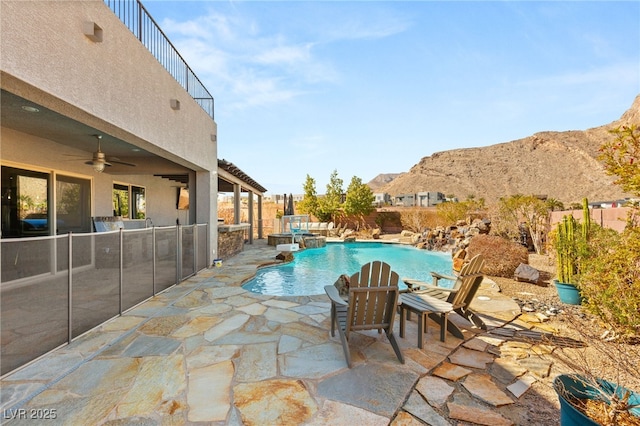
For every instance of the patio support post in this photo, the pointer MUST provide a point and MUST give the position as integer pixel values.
(250, 207)
(260, 236)
(236, 204)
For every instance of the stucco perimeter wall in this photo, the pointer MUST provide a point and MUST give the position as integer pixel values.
(614, 218)
(115, 85)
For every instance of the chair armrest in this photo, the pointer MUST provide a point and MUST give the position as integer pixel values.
(443, 277)
(333, 294)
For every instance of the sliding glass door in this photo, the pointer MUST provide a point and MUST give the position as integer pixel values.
(26, 199)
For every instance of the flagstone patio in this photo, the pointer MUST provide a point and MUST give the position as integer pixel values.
(208, 351)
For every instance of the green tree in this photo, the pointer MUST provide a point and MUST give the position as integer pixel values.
(621, 157)
(553, 204)
(528, 210)
(309, 204)
(330, 203)
(359, 199)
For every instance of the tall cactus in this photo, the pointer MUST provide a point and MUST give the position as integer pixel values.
(586, 219)
(570, 246)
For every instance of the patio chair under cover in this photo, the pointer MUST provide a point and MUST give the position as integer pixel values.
(372, 304)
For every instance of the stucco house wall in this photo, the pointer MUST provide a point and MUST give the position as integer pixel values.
(115, 86)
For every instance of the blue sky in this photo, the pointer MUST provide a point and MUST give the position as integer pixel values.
(371, 87)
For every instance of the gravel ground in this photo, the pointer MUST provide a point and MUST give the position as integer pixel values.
(601, 357)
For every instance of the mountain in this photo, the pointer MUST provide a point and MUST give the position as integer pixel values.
(381, 180)
(560, 165)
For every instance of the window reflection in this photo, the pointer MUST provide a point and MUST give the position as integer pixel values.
(25, 203)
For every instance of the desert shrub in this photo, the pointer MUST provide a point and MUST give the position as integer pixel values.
(610, 280)
(501, 256)
(452, 212)
(417, 219)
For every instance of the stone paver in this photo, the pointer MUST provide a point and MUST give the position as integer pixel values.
(419, 408)
(436, 391)
(522, 385)
(482, 387)
(465, 409)
(451, 371)
(207, 351)
(470, 358)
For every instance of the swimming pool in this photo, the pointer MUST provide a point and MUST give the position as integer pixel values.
(312, 269)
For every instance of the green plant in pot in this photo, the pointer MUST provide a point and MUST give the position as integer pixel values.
(571, 246)
(605, 386)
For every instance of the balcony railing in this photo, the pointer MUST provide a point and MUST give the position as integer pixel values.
(54, 289)
(133, 14)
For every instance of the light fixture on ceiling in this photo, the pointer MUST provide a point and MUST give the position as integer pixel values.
(98, 166)
(99, 160)
(29, 108)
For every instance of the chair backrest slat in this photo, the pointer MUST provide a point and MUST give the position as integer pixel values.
(468, 281)
(373, 297)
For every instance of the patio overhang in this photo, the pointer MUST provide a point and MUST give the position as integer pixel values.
(232, 179)
(76, 129)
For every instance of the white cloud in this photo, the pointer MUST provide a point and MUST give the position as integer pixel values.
(621, 73)
(250, 66)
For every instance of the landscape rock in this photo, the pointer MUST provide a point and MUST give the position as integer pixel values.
(285, 256)
(526, 273)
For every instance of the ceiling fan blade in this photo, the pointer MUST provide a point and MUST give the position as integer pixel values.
(93, 162)
(124, 163)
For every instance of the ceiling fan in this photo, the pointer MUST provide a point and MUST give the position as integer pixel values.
(100, 160)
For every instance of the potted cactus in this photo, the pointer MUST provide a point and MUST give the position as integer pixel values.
(571, 244)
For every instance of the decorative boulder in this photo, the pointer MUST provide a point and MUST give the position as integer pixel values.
(527, 273)
(285, 256)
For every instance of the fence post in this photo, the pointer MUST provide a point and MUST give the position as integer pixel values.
(153, 255)
(178, 253)
(70, 286)
(121, 267)
(195, 248)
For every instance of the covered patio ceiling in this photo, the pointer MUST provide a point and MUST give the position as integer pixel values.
(33, 118)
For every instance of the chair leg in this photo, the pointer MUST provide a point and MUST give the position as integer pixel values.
(471, 316)
(443, 328)
(345, 346)
(333, 320)
(451, 327)
(394, 345)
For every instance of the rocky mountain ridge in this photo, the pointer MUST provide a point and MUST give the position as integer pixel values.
(560, 165)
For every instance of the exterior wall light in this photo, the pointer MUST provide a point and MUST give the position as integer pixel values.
(92, 31)
(175, 104)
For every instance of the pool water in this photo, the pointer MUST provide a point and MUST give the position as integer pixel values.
(312, 269)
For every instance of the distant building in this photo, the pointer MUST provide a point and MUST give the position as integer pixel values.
(429, 199)
(420, 199)
(381, 199)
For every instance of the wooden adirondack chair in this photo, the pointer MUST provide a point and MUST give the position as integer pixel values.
(465, 287)
(372, 305)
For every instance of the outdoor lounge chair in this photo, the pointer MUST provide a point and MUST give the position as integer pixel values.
(372, 305)
(465, 287)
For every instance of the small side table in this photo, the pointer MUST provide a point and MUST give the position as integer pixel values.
(422, 305)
